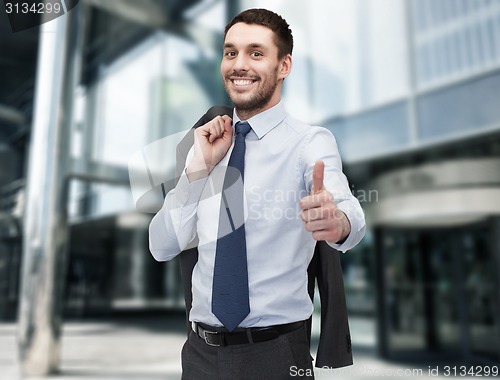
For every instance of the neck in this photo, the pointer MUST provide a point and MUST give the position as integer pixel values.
(245, 114)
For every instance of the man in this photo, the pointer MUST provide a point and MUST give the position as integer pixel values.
(265, 223)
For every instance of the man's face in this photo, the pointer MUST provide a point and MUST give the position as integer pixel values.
(250, 68)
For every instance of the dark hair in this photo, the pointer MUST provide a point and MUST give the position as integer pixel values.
(271, 20)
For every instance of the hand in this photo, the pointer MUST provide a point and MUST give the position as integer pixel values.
(320, 213)
(211, 143)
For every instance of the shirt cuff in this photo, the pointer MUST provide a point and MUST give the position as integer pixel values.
(356, 220)
(186, 192)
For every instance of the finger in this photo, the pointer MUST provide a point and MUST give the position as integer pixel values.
(315, 200)
(318, 213)
(216, 128)
(325, 235)
(227, 120)
(318, 175)
(316, 225)
(212, 133)
(311, 214)
(220, 126)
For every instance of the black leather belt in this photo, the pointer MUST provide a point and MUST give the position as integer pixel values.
(214, 337)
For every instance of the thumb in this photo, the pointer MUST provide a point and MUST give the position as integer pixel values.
(318, 175)
(227, 120)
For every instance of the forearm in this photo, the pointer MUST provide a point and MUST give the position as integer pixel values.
(174, 226)
(197, 170)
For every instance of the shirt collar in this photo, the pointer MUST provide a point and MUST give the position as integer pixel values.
(265, 121)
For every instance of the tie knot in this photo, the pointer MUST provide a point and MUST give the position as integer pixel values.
(242, 127)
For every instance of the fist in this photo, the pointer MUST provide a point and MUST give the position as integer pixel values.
(211, 143)
(320, 214)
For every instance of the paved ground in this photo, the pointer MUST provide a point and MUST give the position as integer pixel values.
(148, 348)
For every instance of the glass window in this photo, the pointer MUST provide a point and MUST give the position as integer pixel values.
(464, 52)
(421, 63)
(348, 55)
(417, 16)
(473, 48)
(456, 58)
(158, 89)
(447, 56)
(494, 40)
(433, 60)
(487, 44)
(440, 58)
(373, 132)
(189, 86)
(468, 107)
(125, 103)
(481, 48)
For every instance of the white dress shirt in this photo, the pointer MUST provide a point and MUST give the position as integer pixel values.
(279, 161)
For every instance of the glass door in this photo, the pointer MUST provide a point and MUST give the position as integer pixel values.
(441, 291)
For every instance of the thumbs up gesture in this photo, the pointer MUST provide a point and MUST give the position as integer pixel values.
(320, 213)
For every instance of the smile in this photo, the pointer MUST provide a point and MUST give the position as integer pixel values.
(242, 82)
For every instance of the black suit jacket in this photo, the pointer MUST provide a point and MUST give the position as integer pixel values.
(334, 349)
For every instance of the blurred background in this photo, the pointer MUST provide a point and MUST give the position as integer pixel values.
(410, 89)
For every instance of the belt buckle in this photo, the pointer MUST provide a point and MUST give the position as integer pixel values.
(206, 334)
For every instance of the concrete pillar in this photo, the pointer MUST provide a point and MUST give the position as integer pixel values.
(45, 220)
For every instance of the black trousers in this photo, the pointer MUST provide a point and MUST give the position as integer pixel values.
(286, 357)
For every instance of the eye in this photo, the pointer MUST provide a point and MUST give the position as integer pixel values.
(256, 54)
(230, 54)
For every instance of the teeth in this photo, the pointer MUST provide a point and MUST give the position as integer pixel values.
(242, 82)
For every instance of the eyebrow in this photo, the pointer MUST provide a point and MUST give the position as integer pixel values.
(252, 45)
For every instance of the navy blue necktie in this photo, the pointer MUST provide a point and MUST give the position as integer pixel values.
(230, 300)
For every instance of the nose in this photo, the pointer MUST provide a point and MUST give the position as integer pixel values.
(241, 63)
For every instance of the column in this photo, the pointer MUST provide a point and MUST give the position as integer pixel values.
(45, 221)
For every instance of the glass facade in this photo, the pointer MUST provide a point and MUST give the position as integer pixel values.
(373, 132)
(465, 108)
(337, 70)
(157, 89)
(161, 86)
(455, 38)
(448, 85)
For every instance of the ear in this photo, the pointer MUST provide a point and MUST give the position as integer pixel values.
(285, 66)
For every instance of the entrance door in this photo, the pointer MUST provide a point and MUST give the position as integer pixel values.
(440, 292)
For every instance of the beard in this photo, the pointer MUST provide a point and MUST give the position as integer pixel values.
(256, 100)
